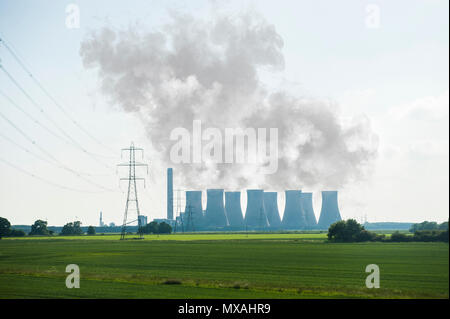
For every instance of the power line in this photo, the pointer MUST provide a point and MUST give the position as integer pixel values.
(48, 154)
(46, 92)
(50, 119)
(33, 119)
(45, 180)
(26, 150)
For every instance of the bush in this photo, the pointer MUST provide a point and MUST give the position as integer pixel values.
(91, 230)
(431, 235)
(155, 228)
(399, 237)
(16, 233)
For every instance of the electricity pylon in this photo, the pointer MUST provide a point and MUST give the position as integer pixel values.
(132, 196)
(190, 219)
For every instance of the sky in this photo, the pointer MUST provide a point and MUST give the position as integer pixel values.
(376, 67)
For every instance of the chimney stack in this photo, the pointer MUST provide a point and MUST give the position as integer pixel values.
(170, 193)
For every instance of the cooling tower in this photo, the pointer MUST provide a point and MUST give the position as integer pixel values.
(169, 193)
(271, 207)
(233, 209)
(193, 214)
(294, 217)
(306, 201)
(215, 215)
(329, 213)
(255, 215)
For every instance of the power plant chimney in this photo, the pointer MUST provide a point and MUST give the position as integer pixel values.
(329, 213)
(294, 217)
(255, 215)
(170, 193)
(215, 215)
(271, 207)
(193, 213)
(233, 209)
(306, 201)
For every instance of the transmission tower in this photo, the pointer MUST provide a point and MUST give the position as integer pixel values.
(132, 197)
(178, 210)
(190, 219)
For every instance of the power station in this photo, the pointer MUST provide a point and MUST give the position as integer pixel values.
(224, 210)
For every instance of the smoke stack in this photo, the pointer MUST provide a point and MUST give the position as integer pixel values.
(255, 215)
(271, 207)
(306, 201)
(193, 213)
(233, 209)
(294, 216)
(169, 193)
(329, 213)
(215, 215)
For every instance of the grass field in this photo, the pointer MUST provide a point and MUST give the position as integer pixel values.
(220, 266)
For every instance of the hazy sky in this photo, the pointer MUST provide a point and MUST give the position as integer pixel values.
(392, 76)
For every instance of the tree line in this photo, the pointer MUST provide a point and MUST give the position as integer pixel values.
(155, 228)
(39, 228)
(351, 231)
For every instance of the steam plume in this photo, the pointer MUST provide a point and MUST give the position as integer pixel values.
(193, 69)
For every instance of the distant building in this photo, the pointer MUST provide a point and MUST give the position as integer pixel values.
(112, 224)
(142, 220)
(101, 224)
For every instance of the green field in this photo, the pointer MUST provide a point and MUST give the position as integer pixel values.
(220, 266)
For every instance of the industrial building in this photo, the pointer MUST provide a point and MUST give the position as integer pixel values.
(234, 210)
(142, 220)
(215, 215)
(223, 210)
(294, 215)
(271, 207)
(329, 213)
(307, 205)
(255, 214)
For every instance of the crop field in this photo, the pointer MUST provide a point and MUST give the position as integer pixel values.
(220, 266)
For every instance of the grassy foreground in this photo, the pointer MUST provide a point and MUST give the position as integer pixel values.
(220, 266)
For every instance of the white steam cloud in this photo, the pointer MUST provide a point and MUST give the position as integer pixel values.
(208, 70)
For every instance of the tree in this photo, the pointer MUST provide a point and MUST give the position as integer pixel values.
(91, 230)
(5, 227)
(443, 226)
(426, 225)
(164, 228)
(72, 229)
(150, 228)
(39, 228)
(77, 228)
(350, 231)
